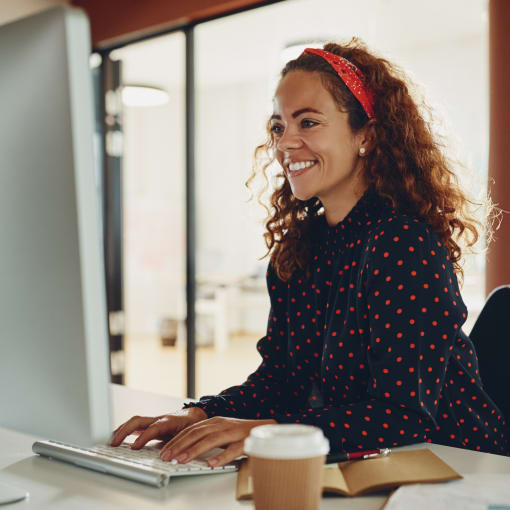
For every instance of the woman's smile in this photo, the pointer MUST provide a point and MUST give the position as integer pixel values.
(296, 169)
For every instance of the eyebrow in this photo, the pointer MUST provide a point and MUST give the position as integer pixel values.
(297, 113)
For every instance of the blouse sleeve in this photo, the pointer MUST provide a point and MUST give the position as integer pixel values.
(414, 312)
(265, 392)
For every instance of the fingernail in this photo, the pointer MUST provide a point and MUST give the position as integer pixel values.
(213, 462)
(182, 457)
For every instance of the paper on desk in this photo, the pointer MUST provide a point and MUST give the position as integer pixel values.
(473, 492)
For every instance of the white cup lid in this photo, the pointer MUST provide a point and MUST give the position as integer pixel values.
(286, 441)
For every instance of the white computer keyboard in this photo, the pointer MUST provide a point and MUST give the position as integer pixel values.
(149, 456)
(142, 465)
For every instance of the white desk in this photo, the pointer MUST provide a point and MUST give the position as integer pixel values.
(55, 485)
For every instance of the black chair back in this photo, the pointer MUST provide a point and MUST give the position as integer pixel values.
(491, 338)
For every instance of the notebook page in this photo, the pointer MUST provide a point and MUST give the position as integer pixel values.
(473, 492)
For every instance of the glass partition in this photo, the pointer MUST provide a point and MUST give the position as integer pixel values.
(442, 45)
(238, 61)
(154, 238)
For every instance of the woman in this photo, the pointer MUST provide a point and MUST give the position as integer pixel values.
(364, 337)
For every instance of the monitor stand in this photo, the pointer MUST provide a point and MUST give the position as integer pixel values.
(11, 493)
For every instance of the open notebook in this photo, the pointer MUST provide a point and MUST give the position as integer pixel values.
(358, 477)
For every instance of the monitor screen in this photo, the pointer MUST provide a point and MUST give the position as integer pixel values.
(54, 369)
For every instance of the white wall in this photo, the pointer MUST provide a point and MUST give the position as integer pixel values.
(154, 233)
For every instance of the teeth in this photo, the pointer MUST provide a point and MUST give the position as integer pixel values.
(300, 165)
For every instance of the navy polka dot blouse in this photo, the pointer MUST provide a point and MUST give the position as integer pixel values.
(370, 348)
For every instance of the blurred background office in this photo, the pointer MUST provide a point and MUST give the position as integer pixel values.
(156, 136)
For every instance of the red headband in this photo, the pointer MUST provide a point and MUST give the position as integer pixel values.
(351, 76)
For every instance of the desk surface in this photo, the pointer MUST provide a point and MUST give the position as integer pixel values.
(58, 485)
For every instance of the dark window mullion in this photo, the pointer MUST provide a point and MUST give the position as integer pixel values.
(190, 214)
(112, 211)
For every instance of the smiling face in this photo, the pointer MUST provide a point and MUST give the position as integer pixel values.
(315, 145)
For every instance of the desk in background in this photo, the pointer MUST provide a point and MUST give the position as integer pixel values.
(55, 485)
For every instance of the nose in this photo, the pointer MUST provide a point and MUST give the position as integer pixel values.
(288, 140)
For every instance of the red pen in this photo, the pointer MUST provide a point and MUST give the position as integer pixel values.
(367, 454)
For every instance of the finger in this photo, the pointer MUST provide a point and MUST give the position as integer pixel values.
(123, 425)
(218, 426)
(179, 432)
(157, 430)
(186, 438)
(180, 435)
(133, 432)
(233, 451)
(198, 448)
(135, 423)
(180, 441)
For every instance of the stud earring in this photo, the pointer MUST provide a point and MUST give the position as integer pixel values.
(362, 151)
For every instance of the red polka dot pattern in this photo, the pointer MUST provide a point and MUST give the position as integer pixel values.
(377, 331)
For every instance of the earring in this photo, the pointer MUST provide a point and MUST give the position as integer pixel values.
(362, 151)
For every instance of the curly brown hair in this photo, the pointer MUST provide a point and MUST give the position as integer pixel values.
(408, 164)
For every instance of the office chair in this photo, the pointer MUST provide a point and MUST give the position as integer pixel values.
(491, 338)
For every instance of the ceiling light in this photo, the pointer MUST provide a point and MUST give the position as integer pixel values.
(143, 95)
(95, 60)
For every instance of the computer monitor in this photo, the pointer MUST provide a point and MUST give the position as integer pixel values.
(54, 370)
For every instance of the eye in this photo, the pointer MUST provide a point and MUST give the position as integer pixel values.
(307, 123)
(276, 129)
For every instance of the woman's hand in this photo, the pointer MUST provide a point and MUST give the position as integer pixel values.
(207, 434)
(159, 427)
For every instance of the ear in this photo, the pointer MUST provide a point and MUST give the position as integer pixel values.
(367, 138)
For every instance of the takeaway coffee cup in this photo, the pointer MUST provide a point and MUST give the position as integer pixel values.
(286, 466)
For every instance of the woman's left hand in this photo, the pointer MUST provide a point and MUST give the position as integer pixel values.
(211, 433)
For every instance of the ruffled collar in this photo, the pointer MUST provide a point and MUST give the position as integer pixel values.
(369, 208)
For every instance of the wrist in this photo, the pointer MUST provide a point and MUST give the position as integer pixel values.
(196, 413)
